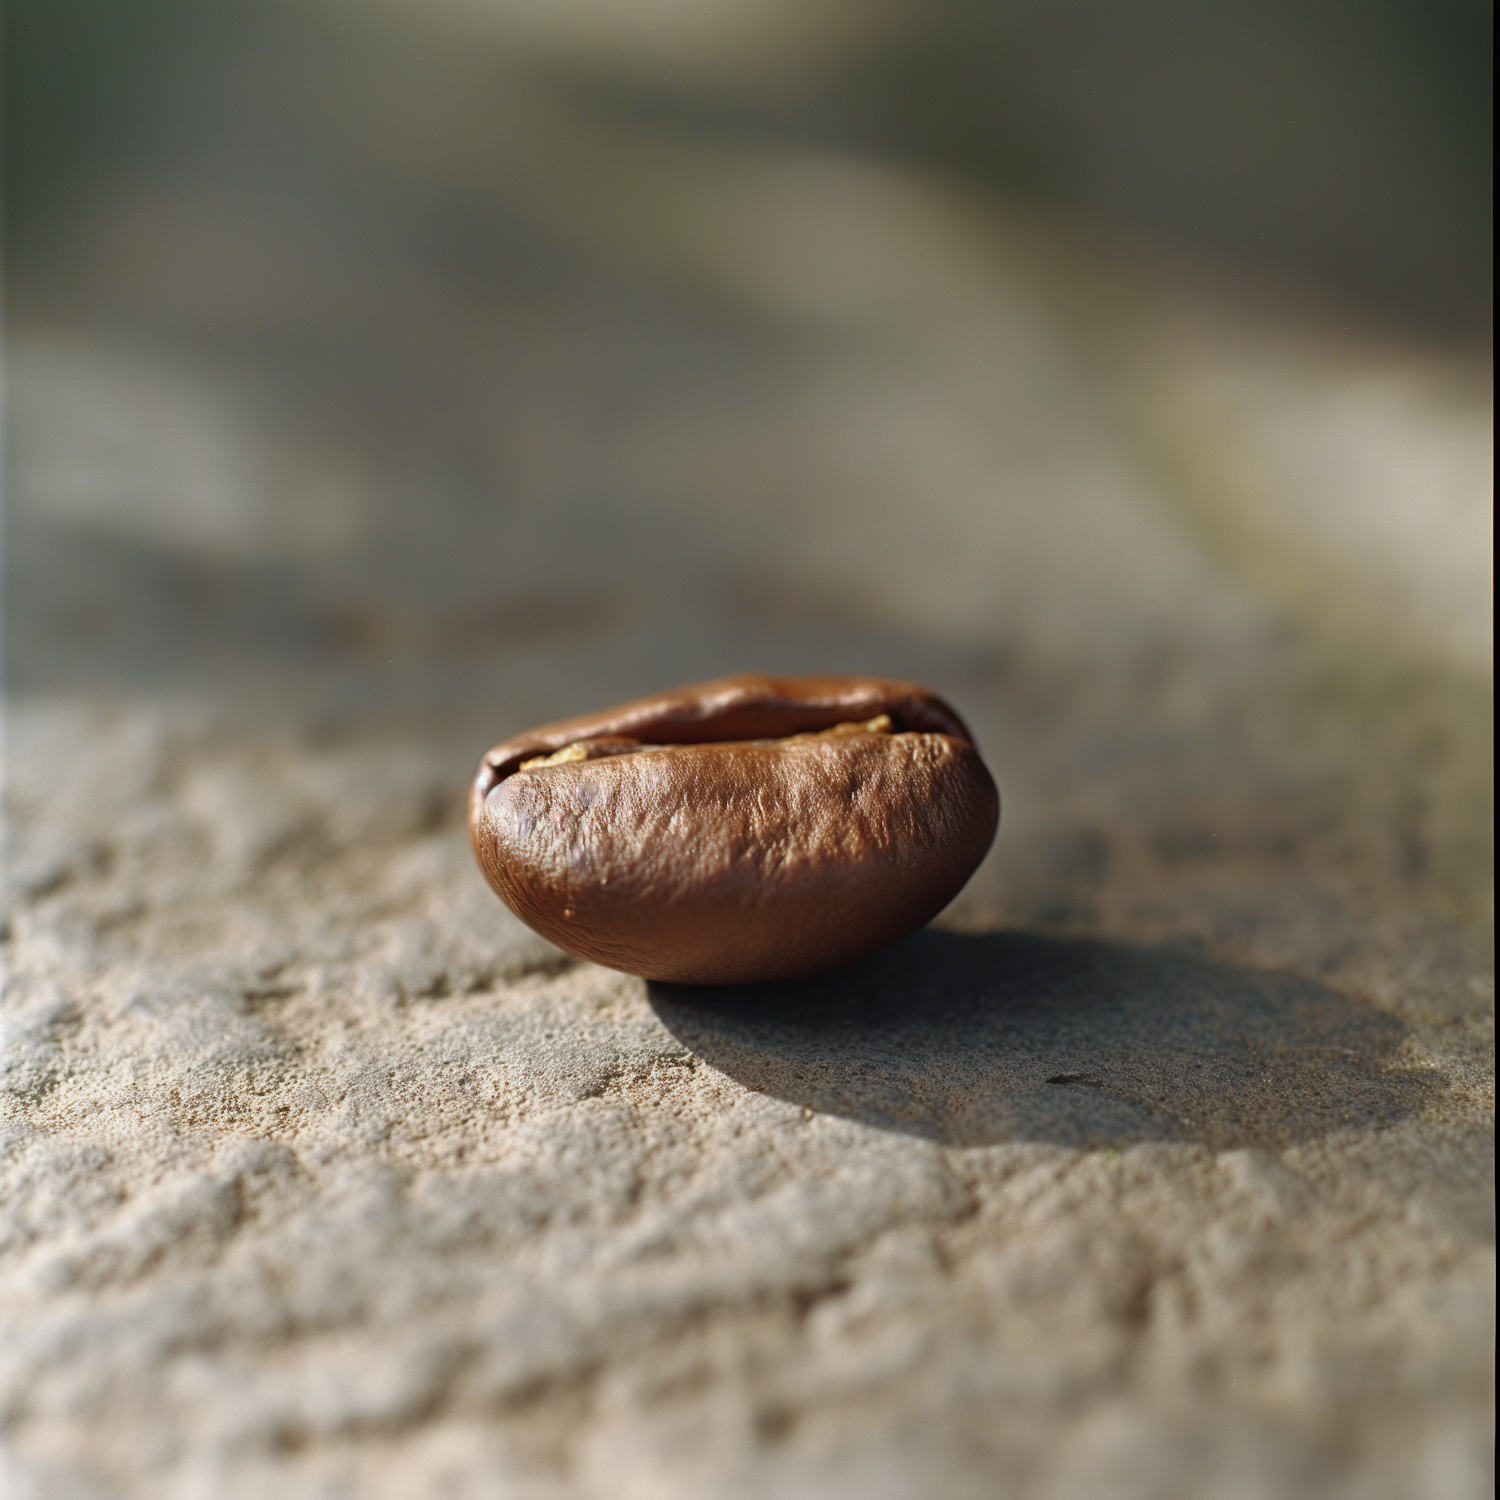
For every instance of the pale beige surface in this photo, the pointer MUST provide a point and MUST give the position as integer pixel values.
(1164, 1170)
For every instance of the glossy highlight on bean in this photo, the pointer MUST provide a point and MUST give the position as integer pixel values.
(747, 829)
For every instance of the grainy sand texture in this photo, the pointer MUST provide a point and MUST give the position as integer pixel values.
(1162, 1166)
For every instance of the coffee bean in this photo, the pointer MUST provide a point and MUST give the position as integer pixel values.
(747, 829)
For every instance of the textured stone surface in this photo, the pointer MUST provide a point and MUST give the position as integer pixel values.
(1162, 1168)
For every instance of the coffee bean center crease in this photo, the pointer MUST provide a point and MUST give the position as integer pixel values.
(736, 831)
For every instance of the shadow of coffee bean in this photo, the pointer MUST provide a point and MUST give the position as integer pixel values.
(978, 1039)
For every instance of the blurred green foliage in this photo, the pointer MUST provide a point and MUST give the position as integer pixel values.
(1346, 144)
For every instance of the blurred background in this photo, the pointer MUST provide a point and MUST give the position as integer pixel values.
(1120, 369)
(383, 379)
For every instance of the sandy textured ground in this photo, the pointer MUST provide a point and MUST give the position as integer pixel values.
(1163, 1167)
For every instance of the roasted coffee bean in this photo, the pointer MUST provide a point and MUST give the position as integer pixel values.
(747, 829)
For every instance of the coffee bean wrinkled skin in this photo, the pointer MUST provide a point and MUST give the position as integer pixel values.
(748, 829)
